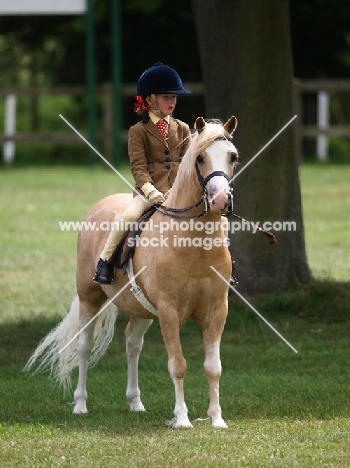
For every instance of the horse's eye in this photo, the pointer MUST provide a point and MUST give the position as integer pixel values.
(233, 158)
(200, 159)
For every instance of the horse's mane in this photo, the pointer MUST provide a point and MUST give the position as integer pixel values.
(213, 129)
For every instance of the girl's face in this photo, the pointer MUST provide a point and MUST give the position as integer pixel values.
(166, 103)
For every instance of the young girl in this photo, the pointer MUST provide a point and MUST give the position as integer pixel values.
(156, 146)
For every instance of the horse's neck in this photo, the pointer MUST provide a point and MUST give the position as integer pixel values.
(187, 195)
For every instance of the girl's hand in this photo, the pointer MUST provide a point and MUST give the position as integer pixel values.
(156, 197)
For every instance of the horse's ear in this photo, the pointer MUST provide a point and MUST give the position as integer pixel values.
(231, 124)
(199, 124)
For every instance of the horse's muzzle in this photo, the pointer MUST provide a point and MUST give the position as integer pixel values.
(219, 201)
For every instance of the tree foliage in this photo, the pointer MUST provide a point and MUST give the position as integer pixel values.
(53, 47)
(320, 32)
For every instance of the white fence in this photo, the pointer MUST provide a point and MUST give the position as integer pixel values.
(321, 129)
(325, 90)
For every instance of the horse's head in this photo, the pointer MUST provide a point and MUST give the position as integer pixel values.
(216, 161)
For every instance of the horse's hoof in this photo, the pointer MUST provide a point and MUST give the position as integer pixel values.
(219, 423)
(80, 409)
(137, 406)
(178, 423)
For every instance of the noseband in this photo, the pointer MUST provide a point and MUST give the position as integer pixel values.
(203, 184)
(173, 212)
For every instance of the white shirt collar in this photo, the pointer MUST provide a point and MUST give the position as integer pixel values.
(156, 119)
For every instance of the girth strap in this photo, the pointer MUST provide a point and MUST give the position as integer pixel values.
(137, 291)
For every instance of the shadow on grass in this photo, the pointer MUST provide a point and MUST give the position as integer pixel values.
(319, 300)
(261, 378)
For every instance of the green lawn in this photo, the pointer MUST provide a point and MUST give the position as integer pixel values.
(283, 409)
(326, 208)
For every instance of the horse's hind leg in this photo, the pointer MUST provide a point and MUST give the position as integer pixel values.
(134, 333)
(212, 366)
(85, 345)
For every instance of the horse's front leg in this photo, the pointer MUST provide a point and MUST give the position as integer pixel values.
(177, 367)
(134, 333)
(212, 366)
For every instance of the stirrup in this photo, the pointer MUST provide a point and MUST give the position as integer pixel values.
(104, 273)
(233, 279)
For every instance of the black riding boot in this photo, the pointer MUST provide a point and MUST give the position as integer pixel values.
(104, 273)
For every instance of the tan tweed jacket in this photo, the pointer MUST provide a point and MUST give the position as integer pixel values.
(153, 159)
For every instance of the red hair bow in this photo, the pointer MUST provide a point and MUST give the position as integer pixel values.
(140, 105)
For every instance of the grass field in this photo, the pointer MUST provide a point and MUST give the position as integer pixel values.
(283, 409)
(326, 207)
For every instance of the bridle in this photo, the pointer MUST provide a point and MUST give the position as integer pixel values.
(175, 212)
(179, 212)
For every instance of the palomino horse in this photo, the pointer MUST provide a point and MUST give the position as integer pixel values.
(178, 282)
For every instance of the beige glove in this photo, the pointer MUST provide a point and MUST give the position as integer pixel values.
(156, 197)
(153, 195)
(147, 188)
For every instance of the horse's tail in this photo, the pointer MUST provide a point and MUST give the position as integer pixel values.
(58, 353)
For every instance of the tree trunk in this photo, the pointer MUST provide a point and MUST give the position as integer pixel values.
(246, 62)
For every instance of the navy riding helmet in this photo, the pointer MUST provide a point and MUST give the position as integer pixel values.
(160, 79)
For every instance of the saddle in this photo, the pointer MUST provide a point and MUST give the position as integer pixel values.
(126, 249)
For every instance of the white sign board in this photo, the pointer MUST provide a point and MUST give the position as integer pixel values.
(42, 7)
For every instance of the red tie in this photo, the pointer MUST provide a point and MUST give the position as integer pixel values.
(162, 127)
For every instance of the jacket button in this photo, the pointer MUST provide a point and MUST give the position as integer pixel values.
(167, 160)
(167, 167)
(166, 152)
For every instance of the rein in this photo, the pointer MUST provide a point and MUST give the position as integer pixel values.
(172, 212)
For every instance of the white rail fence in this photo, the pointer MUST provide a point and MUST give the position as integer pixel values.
(326, 92)
(320, 130)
